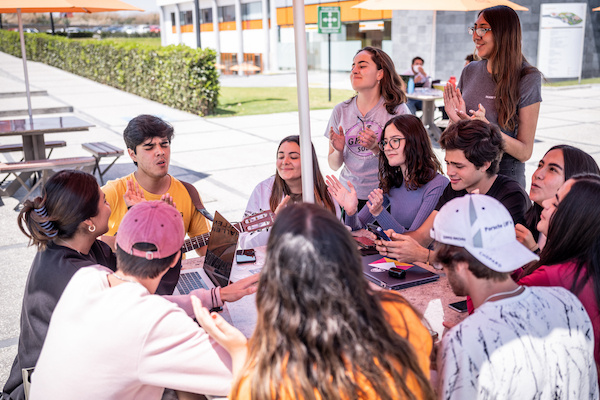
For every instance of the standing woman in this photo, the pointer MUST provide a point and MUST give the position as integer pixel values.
(285, 186)
(410, 180)
(64, 224)
(502, 88)
(355, 126)
(322, 332)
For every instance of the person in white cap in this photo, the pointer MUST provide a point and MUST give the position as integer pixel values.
(521, 342)
(111, 338)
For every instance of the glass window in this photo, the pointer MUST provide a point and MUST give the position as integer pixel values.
(226, 13)
(186, 18)
(206, 15)
(252, 11)
(173, 22)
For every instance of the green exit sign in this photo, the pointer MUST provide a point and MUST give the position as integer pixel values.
(330, 20)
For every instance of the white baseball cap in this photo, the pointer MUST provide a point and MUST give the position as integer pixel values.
(484, 227)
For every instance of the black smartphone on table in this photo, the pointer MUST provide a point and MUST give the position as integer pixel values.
(245, 256)
(460, 306)
(378, 232)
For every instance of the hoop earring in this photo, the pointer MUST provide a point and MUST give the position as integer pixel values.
(92, 228)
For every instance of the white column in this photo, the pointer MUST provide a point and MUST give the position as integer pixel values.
(240, 33)
(265, 28)
(274, 37)
(215, 17)
(163, 26)
(178, 24)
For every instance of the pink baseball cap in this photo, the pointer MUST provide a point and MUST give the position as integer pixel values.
(153, 222)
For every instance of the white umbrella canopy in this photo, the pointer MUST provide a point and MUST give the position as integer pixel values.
(436, 5)
(38, 6)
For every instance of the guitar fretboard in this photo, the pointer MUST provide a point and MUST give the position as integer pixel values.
(202, 240)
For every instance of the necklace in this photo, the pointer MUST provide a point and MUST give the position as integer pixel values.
(124, 279)
(69, 245)
(505, 294)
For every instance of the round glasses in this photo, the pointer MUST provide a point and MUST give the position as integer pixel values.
(393, 142)
(479, 31)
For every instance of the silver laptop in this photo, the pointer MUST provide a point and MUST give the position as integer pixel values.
(218, 262)
(415, 275)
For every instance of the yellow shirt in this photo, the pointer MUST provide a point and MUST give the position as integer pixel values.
(406, 324)
(195, 224)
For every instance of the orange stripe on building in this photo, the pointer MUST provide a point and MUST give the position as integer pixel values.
(285, 16)
(252, 24)
(227, 26)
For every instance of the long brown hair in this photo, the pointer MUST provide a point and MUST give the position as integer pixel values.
(390, 86)
(421, 162)
(507, 65)
(320, 325)
(281, 189)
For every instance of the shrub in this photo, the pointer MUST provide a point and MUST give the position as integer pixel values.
(176, 76)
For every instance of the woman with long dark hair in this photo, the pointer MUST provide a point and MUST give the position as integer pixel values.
(355, 127)
(410, 180)
(284, 187)
(322, 331)
(558, 165)
(64, 224)
(571, 257)
(503, 86)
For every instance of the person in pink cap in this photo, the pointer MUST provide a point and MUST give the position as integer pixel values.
(111, 338)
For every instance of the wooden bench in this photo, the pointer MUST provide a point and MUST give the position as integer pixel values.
(52, 144)
(102, 149)
(46, 167)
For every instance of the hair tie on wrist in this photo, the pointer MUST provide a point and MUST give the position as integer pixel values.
(48, 227)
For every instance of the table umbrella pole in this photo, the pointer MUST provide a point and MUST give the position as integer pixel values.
(24, 57)
(308, 192)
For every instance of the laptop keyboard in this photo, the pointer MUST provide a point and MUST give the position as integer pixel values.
(190, 281)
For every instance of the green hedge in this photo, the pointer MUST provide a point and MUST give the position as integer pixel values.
(176, 76)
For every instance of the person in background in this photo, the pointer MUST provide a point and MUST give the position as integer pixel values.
(410, 180)
(521, 342)
(571, 257)
(355, 127)
(470, 58)
(284, 187)
(502, 88)
(64, 224)
(421, 79)
(111, 338)
(322, 331)
(559, 164)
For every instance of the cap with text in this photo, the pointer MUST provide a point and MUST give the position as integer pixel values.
(485, 228)
(154, 222)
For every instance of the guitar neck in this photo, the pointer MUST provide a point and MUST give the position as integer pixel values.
(202, 240)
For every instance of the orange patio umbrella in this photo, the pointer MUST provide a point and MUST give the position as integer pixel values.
(39, 6)
(436, 5)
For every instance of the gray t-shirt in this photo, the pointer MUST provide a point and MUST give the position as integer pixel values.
(360, 164)
(477, 86)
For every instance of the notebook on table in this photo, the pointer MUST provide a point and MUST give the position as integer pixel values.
(218, 262)
(415, 275)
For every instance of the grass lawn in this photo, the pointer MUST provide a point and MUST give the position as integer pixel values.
(234, 101)
(574, 82)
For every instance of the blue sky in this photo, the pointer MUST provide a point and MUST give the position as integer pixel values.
(148, 5)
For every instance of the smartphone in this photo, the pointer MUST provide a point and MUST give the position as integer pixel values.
(397, 273)
(378, 232)
(245, 256)
(460, 306)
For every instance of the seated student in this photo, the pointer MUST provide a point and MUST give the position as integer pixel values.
(64, 223)
(421, 79)
(571, 256)
(559, 164)
(322, 331)
(473, 151)
(285, 186)
(410, 180)
(521, 342)
(110, 338)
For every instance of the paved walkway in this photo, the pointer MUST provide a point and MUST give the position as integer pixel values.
(223, 157)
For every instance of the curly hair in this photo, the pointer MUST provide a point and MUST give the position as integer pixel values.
(319, 324)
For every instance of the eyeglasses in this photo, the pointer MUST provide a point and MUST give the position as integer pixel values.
(394, 143)
(479, 31)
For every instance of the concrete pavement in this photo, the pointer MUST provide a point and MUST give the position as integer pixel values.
(223, 157)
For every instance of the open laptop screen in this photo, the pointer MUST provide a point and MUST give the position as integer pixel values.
(220, 251)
